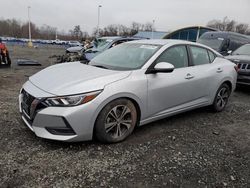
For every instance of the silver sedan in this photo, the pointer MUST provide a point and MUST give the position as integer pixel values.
(129, 85)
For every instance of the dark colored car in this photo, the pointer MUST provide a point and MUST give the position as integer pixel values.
(104, 43)
(241, 57)
(223, 42)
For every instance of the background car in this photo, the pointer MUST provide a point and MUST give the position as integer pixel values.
(104, 43)
(72, 54)
(74, 43)
(79, 53)
(129, 85)
(223, 42)
(241, 57)
(59, 42)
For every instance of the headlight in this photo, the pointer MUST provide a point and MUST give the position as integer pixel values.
(73, 100)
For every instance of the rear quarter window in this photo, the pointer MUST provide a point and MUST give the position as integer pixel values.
(211, 56)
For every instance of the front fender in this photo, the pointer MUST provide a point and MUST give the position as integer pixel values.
(114, 97)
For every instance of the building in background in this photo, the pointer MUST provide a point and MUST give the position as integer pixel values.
(188, 33)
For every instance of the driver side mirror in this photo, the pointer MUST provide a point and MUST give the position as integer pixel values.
(162, 67)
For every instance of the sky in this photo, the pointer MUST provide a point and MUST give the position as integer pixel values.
(168, 14)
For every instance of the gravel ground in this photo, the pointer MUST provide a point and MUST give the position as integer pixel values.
(194, 149)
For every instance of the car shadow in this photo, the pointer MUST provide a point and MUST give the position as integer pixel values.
(243, 89)
(174, 122)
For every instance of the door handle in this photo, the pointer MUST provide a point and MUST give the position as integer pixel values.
(219, 70)
(189, 76)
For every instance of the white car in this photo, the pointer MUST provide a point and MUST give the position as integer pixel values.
(129, 85)
(59, 42)
(74, 43)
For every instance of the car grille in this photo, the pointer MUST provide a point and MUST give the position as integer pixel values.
(26, 102)
(30, 110)
(244, 66)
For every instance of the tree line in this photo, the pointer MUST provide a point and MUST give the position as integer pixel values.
(229, 25)
(19, 29)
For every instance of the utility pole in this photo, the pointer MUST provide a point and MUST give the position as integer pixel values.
(98, 21)
(30, 42)
(152, 33)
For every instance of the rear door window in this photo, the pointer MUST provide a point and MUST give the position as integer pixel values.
(199, 56)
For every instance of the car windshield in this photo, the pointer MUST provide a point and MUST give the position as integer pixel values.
(243, 50)
(101, 44)
(127, 56)
(212, 43)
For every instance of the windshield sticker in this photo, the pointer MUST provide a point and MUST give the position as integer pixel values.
(150, 47)
(220, 39)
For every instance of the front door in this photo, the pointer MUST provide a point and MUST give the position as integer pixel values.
(169, 90)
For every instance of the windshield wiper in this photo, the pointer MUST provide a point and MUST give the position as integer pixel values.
(100, 66)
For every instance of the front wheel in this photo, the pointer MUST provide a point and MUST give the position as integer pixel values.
(221, 98)
(116, 121)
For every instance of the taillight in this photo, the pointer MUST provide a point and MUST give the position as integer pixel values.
(236, 67)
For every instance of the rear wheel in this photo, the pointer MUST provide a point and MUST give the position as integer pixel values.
(221, 98)
(116, 121)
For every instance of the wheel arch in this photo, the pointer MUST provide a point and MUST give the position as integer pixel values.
(229, 83)
(220, 107)
(138, 109)
(225, 81)
(134, 99)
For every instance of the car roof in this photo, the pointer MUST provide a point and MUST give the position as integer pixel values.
(111, 38)
(224, 34)
(119, 38)
(163, 42)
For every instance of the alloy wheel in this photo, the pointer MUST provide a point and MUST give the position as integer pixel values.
(222, 98)
(118, 121)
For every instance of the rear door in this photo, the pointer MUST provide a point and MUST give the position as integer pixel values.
(203, 71)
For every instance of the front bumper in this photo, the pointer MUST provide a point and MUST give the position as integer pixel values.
(243, 73)
(243, 79)
(69, 124)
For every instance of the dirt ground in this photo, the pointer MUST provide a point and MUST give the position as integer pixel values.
(194, 149)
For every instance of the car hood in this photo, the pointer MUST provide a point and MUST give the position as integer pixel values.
(74, 49)
(239, 58)
(75, 78)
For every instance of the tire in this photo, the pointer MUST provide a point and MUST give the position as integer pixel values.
(116, 121)
(221, 98)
